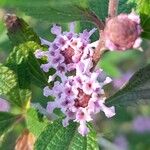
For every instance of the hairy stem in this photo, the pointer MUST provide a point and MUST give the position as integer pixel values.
(113, 8)
(99, 23)
(100, 49)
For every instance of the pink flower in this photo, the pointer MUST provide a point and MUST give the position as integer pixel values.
(123, 32)
(47, 91)
(46, 67)
(82, 115)
(109, 112)
(56, 30)
(83, 129)
(45, 42)
(78, 93)
(39, 53)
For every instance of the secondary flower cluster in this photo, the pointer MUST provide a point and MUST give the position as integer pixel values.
(78, 92)
(123, 32)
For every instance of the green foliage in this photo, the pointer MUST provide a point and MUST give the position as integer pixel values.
(7, 79)
(142, 139)
(55, 137)
(53, 11)
(64, 10)
(143, 7)
(22, 59)
(100, 7)
(145, 21)
(27, 67)
(19, 31)
(35, 122)
(23, 69)
(110, 62)
(10, 87)
(126, 6)
(137, 89)
(7, 120)
(22, 63)
(9, 138)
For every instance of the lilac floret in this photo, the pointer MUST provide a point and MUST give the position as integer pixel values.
(4, 105)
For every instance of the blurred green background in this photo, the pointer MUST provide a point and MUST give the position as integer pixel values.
(118, 133)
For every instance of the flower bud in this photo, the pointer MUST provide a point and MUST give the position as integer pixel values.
(122, 32)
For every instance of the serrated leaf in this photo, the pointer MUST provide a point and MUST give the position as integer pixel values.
(138, 88)
(27, 67)
(55, 137)
(20, 97)
(8, 79)
(35, 122)
(19, 31)
(7, 120)
(9, 87)
(143, 7)
(22, 59)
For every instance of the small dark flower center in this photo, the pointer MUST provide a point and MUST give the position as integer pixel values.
(83, 99)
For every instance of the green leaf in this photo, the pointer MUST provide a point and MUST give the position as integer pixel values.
(8, 80)
(9, 86)
(27, 67)
(19, 31)
(55, 137)
(112, 60)
(143, 7)
(100, 7)
(126, 6)
(7, 120)
(52, 11)
(138, 88)
(9, 138)
(145, 22)
(35, 122)
(22, 59)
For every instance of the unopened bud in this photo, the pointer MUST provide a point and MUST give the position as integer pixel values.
(123, 32)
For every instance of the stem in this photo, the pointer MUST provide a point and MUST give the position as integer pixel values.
(92, 17)
(113, 8)
(99, 50)
(99, 23)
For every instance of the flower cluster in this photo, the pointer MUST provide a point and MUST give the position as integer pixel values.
(123, 32)
(79, 91)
